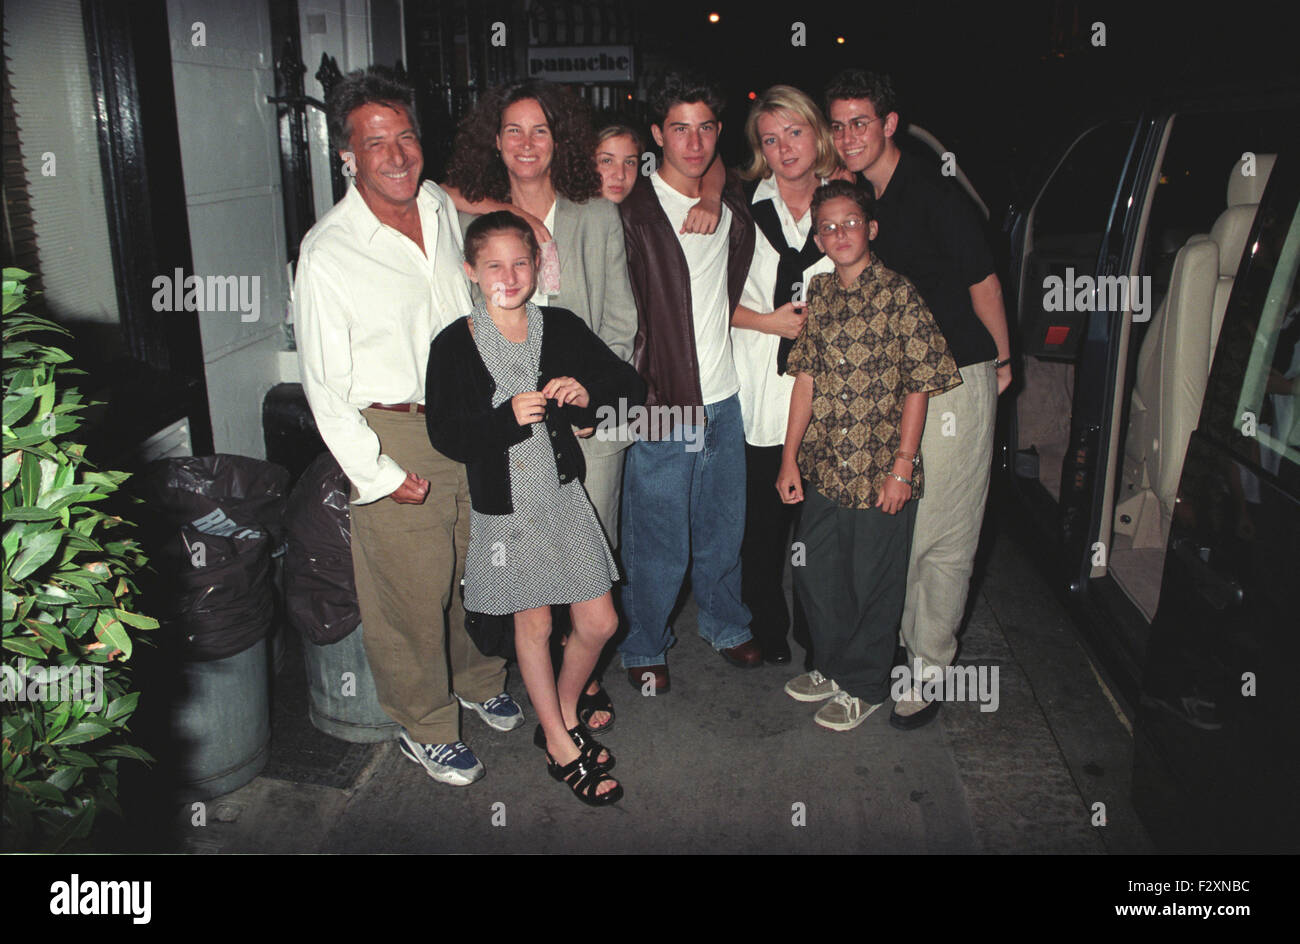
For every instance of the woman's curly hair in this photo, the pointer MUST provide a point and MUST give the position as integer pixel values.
(476, 168)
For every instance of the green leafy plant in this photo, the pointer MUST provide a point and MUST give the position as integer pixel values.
(67, 602)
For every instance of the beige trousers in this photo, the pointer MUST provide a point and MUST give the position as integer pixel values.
(604, 484)
(957, 452)
(409, 560)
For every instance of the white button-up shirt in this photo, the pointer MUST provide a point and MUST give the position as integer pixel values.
(367, 305)
(765, 396)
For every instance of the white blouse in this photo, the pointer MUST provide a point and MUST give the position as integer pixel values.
(765, 396)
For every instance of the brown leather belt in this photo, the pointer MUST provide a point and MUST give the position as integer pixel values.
(399, 407)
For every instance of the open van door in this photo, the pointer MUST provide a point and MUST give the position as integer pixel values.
(1217, 735)
(1073, 230)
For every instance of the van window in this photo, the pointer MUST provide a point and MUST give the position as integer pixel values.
(1215, 169)
(1202, 149)
(1267, 408)
(1074, 210)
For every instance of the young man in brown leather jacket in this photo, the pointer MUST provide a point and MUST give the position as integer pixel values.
(683, 491)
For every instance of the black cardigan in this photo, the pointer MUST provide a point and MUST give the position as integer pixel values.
(465, 427)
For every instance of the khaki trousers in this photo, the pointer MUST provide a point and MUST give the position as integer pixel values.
(604, 484)
(409, 560)
(957, 452)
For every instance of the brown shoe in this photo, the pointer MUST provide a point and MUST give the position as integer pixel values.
(747, 655)
(636, 676)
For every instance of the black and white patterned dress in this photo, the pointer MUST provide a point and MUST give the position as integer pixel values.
(551, 549)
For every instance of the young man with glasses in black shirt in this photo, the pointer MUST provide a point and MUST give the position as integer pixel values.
(930, 233)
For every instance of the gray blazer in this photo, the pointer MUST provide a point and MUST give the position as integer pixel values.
(594, 282)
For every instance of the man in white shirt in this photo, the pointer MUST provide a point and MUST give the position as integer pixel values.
(683, 486)
(379, 276)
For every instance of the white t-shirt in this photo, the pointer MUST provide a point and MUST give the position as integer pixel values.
(540, 298)
(706, 259)
(764, 394)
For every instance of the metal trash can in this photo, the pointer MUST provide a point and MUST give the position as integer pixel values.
(343, 700)
(321, 602)
(221, 723)
(212, 522)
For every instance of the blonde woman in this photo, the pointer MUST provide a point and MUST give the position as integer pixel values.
(791, 155)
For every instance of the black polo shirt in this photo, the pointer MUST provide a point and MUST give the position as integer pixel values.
(930, 233)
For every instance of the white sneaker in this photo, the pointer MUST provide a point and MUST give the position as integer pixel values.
(499, 711)
(843, 712)
(811, 686)
(454, 763)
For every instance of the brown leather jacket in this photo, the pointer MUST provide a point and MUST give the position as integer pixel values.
(664, 351)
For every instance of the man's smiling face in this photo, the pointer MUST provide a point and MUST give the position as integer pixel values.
(860, 133)
(388, 154)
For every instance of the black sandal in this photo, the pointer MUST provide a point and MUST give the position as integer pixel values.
(588, 705)
(587, 746)
(584, 779)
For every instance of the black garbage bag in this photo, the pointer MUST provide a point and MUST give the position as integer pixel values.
(493, 635)
(319, 588)
(214, 522)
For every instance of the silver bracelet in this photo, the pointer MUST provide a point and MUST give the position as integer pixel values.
(897, 477)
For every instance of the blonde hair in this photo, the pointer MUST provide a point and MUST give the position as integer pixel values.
(787, 98)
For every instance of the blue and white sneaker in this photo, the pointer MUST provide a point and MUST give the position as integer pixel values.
(500, 711)
(447, 763)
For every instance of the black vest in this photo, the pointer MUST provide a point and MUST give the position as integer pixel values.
(790, 267)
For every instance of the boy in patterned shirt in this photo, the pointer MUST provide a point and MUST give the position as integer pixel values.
(865, 365)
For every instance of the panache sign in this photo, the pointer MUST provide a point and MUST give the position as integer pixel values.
(581, 63)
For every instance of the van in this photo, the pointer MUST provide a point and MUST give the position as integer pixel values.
(1151, 447)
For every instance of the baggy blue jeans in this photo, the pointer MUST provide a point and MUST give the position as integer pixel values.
(681, 509)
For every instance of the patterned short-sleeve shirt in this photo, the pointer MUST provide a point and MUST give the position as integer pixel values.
(867, 347)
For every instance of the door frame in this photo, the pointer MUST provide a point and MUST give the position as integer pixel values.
(128, 49)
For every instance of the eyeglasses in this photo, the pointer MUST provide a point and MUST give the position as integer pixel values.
(859, 125)
(851, 225)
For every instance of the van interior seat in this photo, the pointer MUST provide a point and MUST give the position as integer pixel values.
(1174, 363)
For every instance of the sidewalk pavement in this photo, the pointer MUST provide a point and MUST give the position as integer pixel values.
(726, 762)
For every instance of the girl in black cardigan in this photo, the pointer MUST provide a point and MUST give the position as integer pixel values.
(506, 386)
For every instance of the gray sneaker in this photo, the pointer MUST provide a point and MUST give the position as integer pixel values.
(447, 763)
(499, 711)
(843, 712)
(811, 686)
